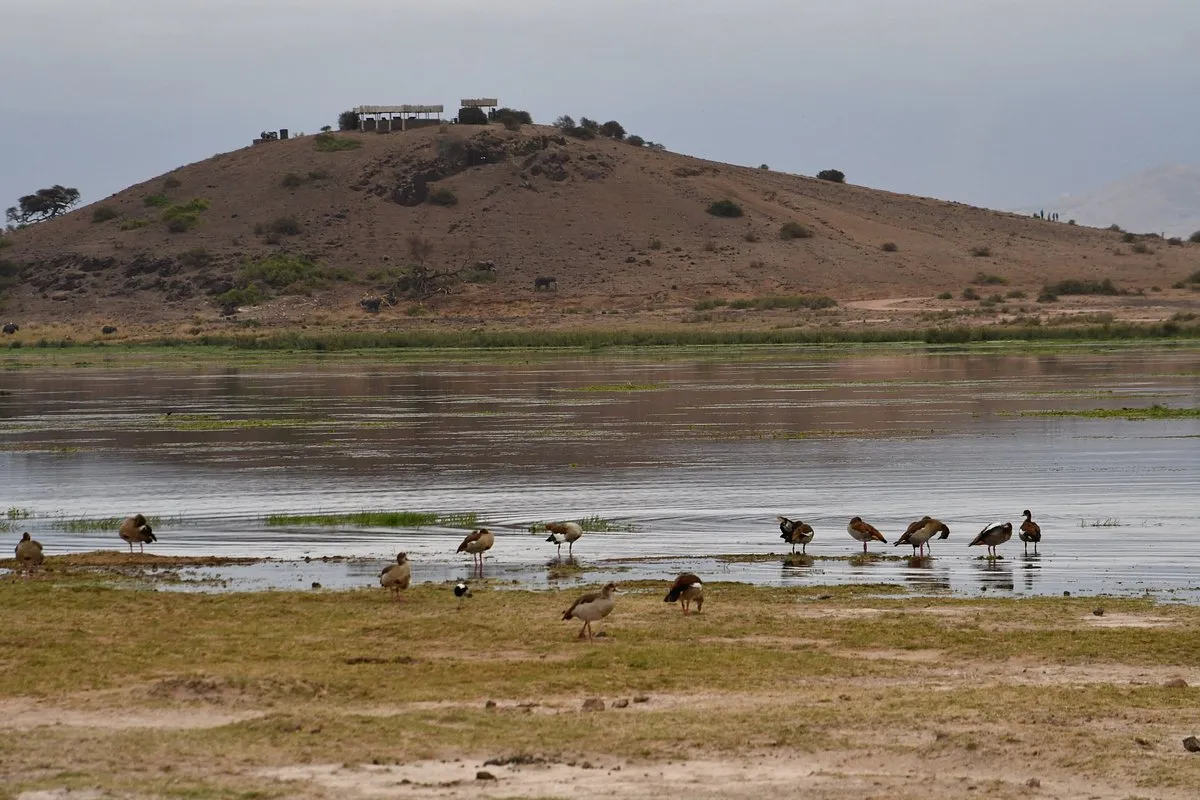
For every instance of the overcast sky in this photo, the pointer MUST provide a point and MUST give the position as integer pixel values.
(999, 103)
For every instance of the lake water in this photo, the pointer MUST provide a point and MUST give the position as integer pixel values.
(691, 457)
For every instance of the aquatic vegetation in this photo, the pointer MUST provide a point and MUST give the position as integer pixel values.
(377, 519)
(92, 524)
(592, 524)
(1155, 411)
(211, 422)
(18, 513)
(1110, 522)
(619, 387)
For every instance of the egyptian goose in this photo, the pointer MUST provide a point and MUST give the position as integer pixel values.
(136, 529)
(28, 554)
(795, 532)
(461, 591)
(592, 607)
(921, 531)
(1030, 532)
(397, 576)
(864, 532)
(568, 532)
(687, 587)
(477, 543)
(993, 536)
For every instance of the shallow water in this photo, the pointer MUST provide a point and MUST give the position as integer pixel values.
(697, 456)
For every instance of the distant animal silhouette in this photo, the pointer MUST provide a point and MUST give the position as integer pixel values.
(11, 328)
(545, 282)
(107, 329)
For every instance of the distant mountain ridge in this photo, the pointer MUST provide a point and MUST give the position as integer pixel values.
(1163, 199)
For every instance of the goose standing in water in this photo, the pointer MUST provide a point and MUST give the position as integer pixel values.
(921, 531)
(477, 543)
(864, 532)
(795, 532)
(1030, 532)
(561, 532)
(29, 554)
(136, 529)
(591, 608)
(687, 587)
(397, 576)
(993, 536)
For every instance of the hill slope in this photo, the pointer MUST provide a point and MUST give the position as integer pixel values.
(621, 228)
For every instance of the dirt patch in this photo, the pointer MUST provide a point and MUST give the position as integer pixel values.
(22, 713)
(1119, 620)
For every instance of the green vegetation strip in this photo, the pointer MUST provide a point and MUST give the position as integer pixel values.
(377, 519)
(85, 525)
(1151, 412)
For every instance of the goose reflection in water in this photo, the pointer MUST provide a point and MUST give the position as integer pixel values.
(995, 575)
(1030, 567)
(921, 575)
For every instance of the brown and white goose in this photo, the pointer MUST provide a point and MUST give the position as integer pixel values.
(1030, 532)
(993, 536)
(687, 587)
(397, 576)
(864, 532)
(795, 532)
(921, 531)
(29, 554)
(136, 529)
(477, 543)
(568, 532)
(592, 607)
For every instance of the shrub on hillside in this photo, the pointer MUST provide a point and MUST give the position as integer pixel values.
(832, 175)
(442, 196)
(1141, 248)
(1128, 238)
(1175, 241)
(1078, 286)
(981, 252)
(180, 224)
(638, 141)
(1195, 238)
(156, 201)
(472, 116)
(984, 279)
(613, 130)
(725, 208)
(970, 294)
(794, 230)
(580, 132)
(888, 247)
(348, 121)
(564, 122)
(132, 224)
(172, 183)
(292, 180)
(332, 143)
(285, 226)
(195, 258)
(104, 214)
(502, 114)
(945, 296)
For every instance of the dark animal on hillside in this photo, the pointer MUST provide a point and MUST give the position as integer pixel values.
(547, 283)
(107, 329)
(11, 328)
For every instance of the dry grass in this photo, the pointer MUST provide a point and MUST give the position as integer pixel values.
(279, 678)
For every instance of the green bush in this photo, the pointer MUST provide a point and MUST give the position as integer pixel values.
(970, 294)
(1015, 294)
(1078, 286)
(104, 214)
(195, 258)
(656, 244)
(156, 201)
(1047, 297)
(832, 175)
(472, 116)
(945, 296)
(180, 218)
(794, 230)
(441, 196)
(285, 226)
(888, 247)
(282, 271)
(240, 296)
(504, 115)
(348, 121)
(332, 143)
(613, 130)
(725, 208)
(292, 180)
(180, 224)
(984, 279)
(481, 276)
(813, 302)
(132, 224)
(635, 140)
(706, 305)
(172, 183)
(981, 252)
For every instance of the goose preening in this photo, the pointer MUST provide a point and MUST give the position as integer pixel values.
(864, 532)
(795, 532)
(477, 543)
(568, 532)
(592, 607)
(136, 529)
(993, 536)
(461, 591)
(397, 576)
(1030, 532)
(921, 531)
(29, 554)
(687, 587)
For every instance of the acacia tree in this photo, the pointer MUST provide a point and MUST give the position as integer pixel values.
(42, 204)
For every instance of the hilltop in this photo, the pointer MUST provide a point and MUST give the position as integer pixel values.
(295, 233)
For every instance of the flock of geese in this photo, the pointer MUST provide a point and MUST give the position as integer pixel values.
(595, 606)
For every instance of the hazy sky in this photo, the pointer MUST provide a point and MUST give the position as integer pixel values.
(993, 102)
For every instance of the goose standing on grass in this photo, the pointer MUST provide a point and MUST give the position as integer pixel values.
(864, 532)
(592, 607)
(477, 543)
(397, 576)
(29, 554)
(461, 591)
(921, 531)
(1030, 532)
(993, 536)
(568, 532)
(795, 532)
(687, 587)
(136, 529)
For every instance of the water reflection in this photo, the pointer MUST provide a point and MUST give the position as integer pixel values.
(1030, 566)
(995, 573)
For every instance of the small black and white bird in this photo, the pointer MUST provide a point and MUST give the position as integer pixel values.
(461, 591)
(795, 532)
(993, 536)
(1030, 532)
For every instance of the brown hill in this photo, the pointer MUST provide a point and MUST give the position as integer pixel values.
(301, 234)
